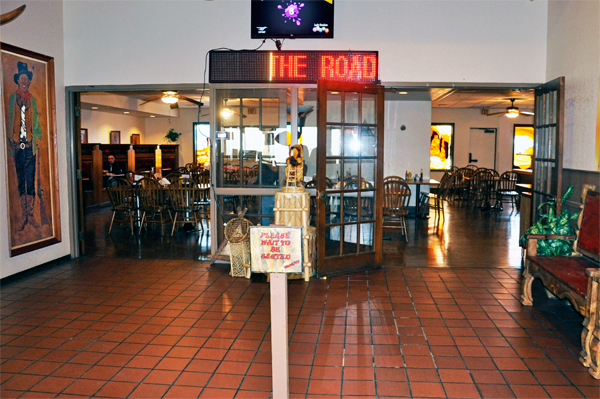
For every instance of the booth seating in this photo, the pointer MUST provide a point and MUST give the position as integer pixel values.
(575, 277)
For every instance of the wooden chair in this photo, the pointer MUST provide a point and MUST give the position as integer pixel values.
(507, 189)
(435, 201)
(186, 198)
(396, 197)
(120, 194)
(481, 189)
(151, 197)
(353, 183)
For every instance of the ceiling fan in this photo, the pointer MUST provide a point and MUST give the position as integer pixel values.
(171, 98)
(511, 112)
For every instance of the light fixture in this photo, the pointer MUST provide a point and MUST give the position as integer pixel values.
(512, 111)
(402, 92)
(169, 97)
(226, 113)
(126, 112)
(152, 116)
(94, 107)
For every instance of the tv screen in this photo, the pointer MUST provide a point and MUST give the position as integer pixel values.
(308, 19)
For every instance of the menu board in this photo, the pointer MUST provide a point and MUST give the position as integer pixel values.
(276, 249)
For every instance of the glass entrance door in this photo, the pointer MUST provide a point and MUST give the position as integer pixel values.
(349, 177)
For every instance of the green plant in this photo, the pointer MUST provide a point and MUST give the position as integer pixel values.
(553, 223)
(172, 135)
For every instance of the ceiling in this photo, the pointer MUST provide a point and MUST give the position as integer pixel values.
(439, 97)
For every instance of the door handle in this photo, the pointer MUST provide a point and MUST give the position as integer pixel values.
(471, 158)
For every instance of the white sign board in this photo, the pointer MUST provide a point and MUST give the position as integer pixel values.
(276, 249)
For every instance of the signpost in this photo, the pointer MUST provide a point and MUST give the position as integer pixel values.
(278, 250)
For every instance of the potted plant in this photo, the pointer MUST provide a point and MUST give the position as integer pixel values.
(553, 223)
(172, 136)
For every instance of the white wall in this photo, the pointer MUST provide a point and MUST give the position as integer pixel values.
(39, 29)
(407, 150)
(100, 124)
(574, 52)
(466, 118)
(157, 128)
(162, 42)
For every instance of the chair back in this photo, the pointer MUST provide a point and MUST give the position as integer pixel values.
(120, 194)
(472, 167)
(446, 185)
(483, 180)
(185, 195)
(353, 183)
(182, 170)
(150, 194)
(396, 196)
(508, 181)
(171, 177)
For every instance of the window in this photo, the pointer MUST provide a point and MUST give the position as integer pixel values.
(522, 146)
(441, 146)
(202, 143)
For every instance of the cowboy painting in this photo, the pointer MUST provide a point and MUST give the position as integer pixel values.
(25, 134)
(32, 184)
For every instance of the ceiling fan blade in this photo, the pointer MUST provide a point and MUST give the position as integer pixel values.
(198, 103)
(148, 99)
(527, 113)
(495, 113)
(238, 114)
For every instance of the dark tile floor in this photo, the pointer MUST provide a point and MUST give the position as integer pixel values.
(147, 328)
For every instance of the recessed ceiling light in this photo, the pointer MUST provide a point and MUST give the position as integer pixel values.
(94, 107)
(152, 116)
(126, 112)
(402, 92)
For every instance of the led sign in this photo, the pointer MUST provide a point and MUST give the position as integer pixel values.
(293, 66)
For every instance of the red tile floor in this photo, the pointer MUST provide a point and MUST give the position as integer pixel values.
(150, 328)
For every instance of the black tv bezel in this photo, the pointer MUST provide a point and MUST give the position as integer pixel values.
(254, 35)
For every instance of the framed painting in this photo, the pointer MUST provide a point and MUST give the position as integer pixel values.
(135, 139)
(115, 137)
(28, 110)
(84, 136)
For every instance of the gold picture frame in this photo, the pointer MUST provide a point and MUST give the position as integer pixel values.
(28, 108)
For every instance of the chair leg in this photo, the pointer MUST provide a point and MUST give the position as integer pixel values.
(112, 221)
(142, 222)
(174, 224)
(162, 229)
(403, 228)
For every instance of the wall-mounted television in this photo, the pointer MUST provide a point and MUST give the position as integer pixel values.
(292, 19)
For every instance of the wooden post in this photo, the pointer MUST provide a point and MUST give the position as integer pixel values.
(279, 335)
(97, 166)
(131, 159)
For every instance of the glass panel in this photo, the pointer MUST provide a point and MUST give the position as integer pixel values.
(332, 208)
(230, 152)
(350, 238)
(230, 115)
(350, 207)
(334, 107)
(332, 241)
(333, 171)
(270, 112)
(367, 232)
(308, 129)
(334, 141)
(351, 174)
(368, 109)
(250, 112)
(351, 142)
(368, 141)
(367, 172)
(351, 108)
(367, 209)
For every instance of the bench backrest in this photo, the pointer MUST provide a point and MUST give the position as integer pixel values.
(588, 241)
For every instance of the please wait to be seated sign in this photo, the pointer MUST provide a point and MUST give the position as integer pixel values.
(276, 249)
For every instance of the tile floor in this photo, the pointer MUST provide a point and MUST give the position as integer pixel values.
(133, 328)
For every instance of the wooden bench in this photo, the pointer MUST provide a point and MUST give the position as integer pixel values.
(576, 277)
